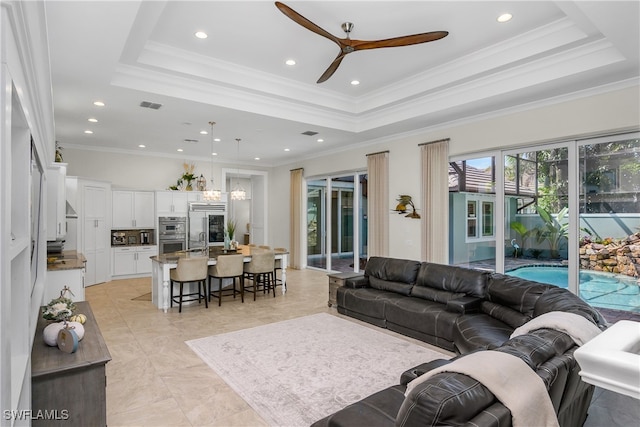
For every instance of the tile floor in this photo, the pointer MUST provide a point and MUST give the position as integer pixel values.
(154, 379)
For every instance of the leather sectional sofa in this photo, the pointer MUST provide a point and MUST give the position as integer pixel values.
(464, 311)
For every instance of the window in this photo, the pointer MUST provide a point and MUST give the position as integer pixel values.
(480, 223)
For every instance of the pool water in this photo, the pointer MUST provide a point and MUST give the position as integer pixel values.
(605, 290)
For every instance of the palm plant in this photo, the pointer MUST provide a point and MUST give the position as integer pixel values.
(555, 230)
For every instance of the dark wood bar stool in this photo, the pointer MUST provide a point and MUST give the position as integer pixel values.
(227, 267)
(193, 269)
(260, 270)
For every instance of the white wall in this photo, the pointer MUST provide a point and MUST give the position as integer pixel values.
(592, 115)
(138, 171)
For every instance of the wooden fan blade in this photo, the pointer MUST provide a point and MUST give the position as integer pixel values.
(301, 20)
(332, 68)
(399, 41)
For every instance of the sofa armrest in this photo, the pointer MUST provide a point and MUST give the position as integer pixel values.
(413, 373)
(357, 282)
(464, 305)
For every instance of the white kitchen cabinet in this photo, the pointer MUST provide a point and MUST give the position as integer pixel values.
(132, 209)
(132, 260)
(172, 203)
(124, 261)
(56, 201)
(95, 215)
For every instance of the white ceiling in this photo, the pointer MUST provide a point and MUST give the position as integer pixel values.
(124, 53)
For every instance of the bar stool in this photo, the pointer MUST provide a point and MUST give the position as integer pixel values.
(227, 267)
(193, 269)
(278, 266)
(260, 269)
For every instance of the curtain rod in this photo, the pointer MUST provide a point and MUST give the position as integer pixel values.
(379, 152)
(433, 142)
(296, 169)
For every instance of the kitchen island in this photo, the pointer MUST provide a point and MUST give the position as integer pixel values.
(162, 264)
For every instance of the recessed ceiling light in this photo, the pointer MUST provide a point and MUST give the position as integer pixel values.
(320, 140)
(92, 120)
(355, 82)
(505, 17)
(256, 158)
(290, 62)
(214, 154)
(201, 35)
(204, 132)
(89, 132)
(287, 149)
(216, 139)
(142, 146)
(180, 150)
(98, 104)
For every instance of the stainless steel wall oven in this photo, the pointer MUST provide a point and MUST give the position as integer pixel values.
(172, 234)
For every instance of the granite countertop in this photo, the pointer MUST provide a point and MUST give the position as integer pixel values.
(67, 260)
(172, 257)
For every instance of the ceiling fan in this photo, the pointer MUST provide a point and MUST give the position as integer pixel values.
(347, 45)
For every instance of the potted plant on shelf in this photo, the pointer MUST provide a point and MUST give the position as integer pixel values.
(188, 176)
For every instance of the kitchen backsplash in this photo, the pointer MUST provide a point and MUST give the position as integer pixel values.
(132, 237)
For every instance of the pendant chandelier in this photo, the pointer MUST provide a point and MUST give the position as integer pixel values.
(238, 192)
(211, 194)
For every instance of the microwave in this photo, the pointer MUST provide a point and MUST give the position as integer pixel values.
(172, 225)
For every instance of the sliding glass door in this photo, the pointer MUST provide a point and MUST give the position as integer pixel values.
(566, 214)
(316, 223)
(336, 222)
(609, 204)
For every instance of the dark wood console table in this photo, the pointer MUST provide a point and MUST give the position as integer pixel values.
(69, 389)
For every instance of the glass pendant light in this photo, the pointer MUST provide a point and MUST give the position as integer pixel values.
(211, 194)
(238, 192)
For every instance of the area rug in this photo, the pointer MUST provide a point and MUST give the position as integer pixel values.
(298, 371)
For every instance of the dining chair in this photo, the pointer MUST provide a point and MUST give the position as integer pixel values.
(260, 272)
(227, 267)
(191, 269)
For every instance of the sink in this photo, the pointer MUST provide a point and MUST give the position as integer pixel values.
(612, 359)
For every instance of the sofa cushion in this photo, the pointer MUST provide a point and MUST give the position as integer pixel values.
(432, 294)
(518, 294)
(367, 301)
(507, 315)
(446, 399)
(479, 331)
(427, 317)
(390, 274)
(560, 299)
(453, 279)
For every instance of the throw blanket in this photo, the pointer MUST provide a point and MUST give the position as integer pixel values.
(510, 379)
(577, 327)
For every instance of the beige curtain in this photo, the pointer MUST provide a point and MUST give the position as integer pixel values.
(378, 204)
(435, 194)
(296, 218)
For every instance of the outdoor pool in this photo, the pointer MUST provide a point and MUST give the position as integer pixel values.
(605, 290)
